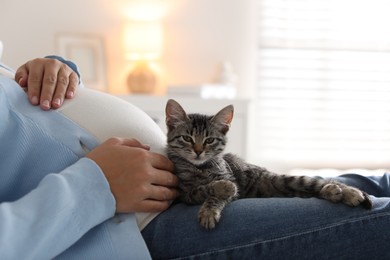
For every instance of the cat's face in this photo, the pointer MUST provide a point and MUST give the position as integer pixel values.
(194, 137)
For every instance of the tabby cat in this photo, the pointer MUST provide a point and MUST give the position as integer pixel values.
(210, 177)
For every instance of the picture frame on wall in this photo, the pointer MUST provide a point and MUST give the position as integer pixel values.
(88, 53)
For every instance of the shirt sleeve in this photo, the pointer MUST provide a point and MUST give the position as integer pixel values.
(56, 214)
(6, 71)
(72, 65)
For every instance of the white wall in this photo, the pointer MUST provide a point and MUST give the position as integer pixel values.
(199, 34)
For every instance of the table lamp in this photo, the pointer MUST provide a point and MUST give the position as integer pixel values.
(143, 45)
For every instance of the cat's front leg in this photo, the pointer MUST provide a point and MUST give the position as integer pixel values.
(220, 193)
(194, 195)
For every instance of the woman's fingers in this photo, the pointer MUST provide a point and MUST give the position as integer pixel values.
(47, 81)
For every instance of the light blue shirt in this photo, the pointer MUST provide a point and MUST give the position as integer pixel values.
(53, 202)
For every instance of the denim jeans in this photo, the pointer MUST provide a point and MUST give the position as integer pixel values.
(279, 228)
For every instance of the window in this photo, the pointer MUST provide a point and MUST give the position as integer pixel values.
(323, 84)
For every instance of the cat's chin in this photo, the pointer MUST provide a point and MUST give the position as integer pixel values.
(197, 161)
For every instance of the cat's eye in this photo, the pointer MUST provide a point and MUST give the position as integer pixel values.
(209, 140)
(187, 138)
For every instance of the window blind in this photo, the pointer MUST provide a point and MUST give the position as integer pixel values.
(323, 84)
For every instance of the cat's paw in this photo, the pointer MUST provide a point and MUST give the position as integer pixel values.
(208, 218)
(338, 192)
(332, 192)
(224, 189)
(355, 197)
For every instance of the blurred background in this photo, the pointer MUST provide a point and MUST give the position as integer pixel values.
(316, 73)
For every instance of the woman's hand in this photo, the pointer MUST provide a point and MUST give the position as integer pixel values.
(47, 81)
(140, 180)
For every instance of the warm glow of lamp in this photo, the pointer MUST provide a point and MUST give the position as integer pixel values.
(145, 10)
(143, 42)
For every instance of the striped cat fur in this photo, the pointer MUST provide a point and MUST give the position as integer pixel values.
(212, 178)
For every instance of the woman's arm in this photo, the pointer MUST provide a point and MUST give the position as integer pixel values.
(58, 212)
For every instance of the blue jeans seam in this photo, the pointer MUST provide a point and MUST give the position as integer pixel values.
(328, 226)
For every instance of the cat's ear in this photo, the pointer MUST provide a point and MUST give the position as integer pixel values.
(223, 118)
(175, 114)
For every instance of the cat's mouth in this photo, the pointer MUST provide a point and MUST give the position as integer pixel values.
(198, 160)
(193, 158)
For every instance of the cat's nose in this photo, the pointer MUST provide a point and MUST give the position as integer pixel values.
(198, 149)
(198, 152)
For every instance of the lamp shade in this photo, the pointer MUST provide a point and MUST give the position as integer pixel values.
(143, 40)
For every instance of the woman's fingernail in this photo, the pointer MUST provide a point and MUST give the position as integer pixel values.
(45, 104)
(57, 102)
(34, 100)
(70, 94)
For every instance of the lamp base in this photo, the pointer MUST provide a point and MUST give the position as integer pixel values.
(142, 78)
